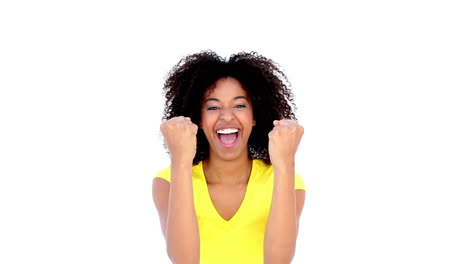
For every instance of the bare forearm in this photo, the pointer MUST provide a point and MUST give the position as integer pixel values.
(281, 230)
(183, 242)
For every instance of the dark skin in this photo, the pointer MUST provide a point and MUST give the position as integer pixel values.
(227, 171)
(262, 79)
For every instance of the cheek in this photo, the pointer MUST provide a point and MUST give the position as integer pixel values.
(248, 118)
(248, 121)
(206, 121)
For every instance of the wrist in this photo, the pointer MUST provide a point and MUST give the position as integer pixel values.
(181, 157)
(284, 167)
(177, 163)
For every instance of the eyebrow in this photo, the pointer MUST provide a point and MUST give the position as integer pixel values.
(217, 100)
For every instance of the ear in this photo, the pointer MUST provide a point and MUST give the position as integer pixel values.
(254, 122)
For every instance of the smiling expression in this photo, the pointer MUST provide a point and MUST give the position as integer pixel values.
(227, 119)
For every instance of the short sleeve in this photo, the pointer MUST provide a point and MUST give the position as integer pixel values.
(164, 174)
(299, 182)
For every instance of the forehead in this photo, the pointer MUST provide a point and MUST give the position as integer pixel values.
(225, 88)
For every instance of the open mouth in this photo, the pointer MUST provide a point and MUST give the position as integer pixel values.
(228, 136)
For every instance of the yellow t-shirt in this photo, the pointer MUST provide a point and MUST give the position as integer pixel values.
(240, 239)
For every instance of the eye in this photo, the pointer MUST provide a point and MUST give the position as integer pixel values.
(240, 106)
(212, 108)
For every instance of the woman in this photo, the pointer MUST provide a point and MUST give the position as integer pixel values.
(231, 194)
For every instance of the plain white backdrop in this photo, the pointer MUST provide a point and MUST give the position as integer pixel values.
(381, 89)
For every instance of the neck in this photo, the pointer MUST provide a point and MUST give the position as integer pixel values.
(218, 171)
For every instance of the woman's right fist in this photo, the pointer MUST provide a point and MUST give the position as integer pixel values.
(180, 135)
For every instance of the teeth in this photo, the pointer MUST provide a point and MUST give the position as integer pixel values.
(227, 131)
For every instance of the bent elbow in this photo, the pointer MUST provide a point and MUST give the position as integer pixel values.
(279, 255)
(178, 256)
(279, 259)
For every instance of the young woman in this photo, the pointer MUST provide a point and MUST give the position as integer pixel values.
(231, 194)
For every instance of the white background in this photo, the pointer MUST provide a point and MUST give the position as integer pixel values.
(381, 89)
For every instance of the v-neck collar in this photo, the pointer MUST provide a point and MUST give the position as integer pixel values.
(244, 203)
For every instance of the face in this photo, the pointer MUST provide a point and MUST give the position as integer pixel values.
(227, 119)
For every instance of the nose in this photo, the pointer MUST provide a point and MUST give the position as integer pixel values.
(226, 114)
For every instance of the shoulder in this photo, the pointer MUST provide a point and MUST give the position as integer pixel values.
(164, 174)
(264, 172)
(299, 182)
(197, 172)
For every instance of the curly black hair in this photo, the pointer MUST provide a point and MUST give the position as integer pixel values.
(265, 83)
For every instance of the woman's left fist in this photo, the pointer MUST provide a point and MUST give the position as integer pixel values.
(284, 140)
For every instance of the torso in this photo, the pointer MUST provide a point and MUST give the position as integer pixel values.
(239, 239)
(227, 199)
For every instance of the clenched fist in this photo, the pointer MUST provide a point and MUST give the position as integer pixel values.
(180, 137)
(284, 140)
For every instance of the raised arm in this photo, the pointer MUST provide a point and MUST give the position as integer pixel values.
(286, 204)
(174, 201)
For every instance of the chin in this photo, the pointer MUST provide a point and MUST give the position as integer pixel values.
(229, 155)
